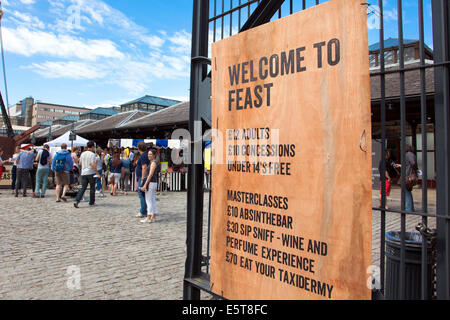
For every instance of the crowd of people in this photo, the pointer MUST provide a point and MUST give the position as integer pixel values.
(109, 170)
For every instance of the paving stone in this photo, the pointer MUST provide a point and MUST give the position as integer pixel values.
(114, 253)
(117, 256)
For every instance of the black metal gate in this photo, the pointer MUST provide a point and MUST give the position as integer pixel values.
(397, 115)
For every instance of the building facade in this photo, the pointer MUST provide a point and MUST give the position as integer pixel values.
(29, 112)
(47, 111)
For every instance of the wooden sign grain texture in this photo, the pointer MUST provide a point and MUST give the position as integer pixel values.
(304, 79)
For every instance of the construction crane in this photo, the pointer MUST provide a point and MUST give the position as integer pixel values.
(6, 120)
(8, 143)
(5, 115)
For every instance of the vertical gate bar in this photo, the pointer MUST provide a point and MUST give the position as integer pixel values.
(423, 103)
(423, 109)
(441, 48)
(209, 217)
(291, 10)
(194, 225)
(403, 148)
(215, 20)
(223, 20)
(231, 18)
(239, 15)
(303, 4)
(383, 141)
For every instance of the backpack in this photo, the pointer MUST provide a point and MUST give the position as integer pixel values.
(60, 162)
(44, 158)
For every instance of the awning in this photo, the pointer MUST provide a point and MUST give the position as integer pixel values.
(161, 143)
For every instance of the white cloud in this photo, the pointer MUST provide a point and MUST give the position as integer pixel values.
(125, 56)
(153, 41)
(28, 1)
(79, 14)
(31, 42)
(136, 75)
(24, 19)
(68, 70)
(182, 42)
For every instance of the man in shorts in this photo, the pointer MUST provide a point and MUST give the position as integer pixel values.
(62, 165)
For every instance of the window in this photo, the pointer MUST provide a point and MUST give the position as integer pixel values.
(410, 54)
(390, 57)
(373, 60)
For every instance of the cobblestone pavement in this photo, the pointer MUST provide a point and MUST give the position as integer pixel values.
(45, 245)
(393, 219)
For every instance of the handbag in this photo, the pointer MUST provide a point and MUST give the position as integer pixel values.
(411, 180)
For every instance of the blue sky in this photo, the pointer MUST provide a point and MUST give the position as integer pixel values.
(106, 52)
(97, 53)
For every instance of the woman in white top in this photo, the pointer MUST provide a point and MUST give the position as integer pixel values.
(150, 188)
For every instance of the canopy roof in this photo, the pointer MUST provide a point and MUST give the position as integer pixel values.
(154, 100)
(78, 142)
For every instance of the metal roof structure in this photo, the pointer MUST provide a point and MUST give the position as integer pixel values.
(154, 100)
(102, 111)
(392, 43)
(111, 123)
(59, 130)
(68, 118)
(173, 115)
(46, 123)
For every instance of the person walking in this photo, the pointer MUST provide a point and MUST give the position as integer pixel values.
(390, 174)
(24, 166)
(125, 180)
(116, 168)
(411, 169)
(1, 164)
(33, 173)
(107, 168)
(89, 171)
(62, 164)
(14, 169)
(100, 161)
(150, 187)
(74, 174)
(141, 174)
(44, 159)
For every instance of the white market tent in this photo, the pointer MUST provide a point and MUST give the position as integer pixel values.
(78, 142)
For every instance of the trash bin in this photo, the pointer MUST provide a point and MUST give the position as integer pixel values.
(413, 266)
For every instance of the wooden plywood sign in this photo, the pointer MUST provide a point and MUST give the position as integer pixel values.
(6, 178)
(291, 188)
